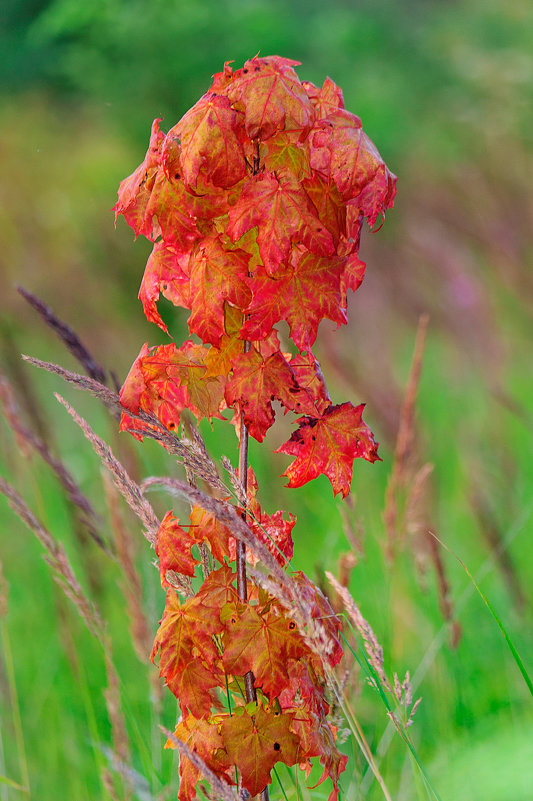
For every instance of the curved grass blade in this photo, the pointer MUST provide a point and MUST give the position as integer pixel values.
(14, 785)
(373, 676)
(516, 656)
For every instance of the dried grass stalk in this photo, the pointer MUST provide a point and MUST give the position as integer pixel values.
(129, 490)
(278, 582)
(31, 442)
(66, 335)
(401, 473)
(96, 388)
(121, 743)
(192, 453)
(125, 545)
(58, 561)
(372, 647)
(221, 791)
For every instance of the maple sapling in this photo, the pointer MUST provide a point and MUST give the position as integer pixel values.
(254, 202)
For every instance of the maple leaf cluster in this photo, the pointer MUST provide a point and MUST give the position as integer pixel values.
(208, 643)
(254, 202)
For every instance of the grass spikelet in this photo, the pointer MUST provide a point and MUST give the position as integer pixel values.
(225, 513)
(221, 791)
(181, 583)
(401, 473)
(121, 744)
(66, 335)
(373, 648)
(235, 481)
(192, 453)
(125, 545)
(130, 491)
(57, 559)
(96, 388)
(28, 442)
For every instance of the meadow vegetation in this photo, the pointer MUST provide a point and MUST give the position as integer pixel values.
(445, 92)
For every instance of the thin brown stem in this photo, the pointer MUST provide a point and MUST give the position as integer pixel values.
(242, 591)
(241, 547)
(241, 553)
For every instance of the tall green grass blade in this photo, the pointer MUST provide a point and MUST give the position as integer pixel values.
(151, 771)
(516, 656)
(517, 527)
(14, 785)
(358, 734)
(281, 787)
(373, 676)
(15, 706)
(90, 714)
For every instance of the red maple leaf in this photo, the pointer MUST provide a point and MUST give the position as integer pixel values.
(282, 212)
(341, 149)
(168, 214)
(304, 691)
(276, 533)
(313, 398)
(164, 380)
(271, 96)
(210, 142)
(316, 738)
(203, 738)
(255, 383)
(262, 643)
(185, 634)
(219, 360)
(325, 100)
(352, 276)
(255, 742)
(173, 547)
(329, 445)
(164, 274)
(272, 530)
(319, 608)
(206, 528)
(303, 293)
(329, 204)
(135, 191)
(217, 275)
(218, 589)
(164, 399)
(285, 152)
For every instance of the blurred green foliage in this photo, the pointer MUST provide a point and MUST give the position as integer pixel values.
(410, 68)
(446, 92)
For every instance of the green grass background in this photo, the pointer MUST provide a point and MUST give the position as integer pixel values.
(445, 90)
